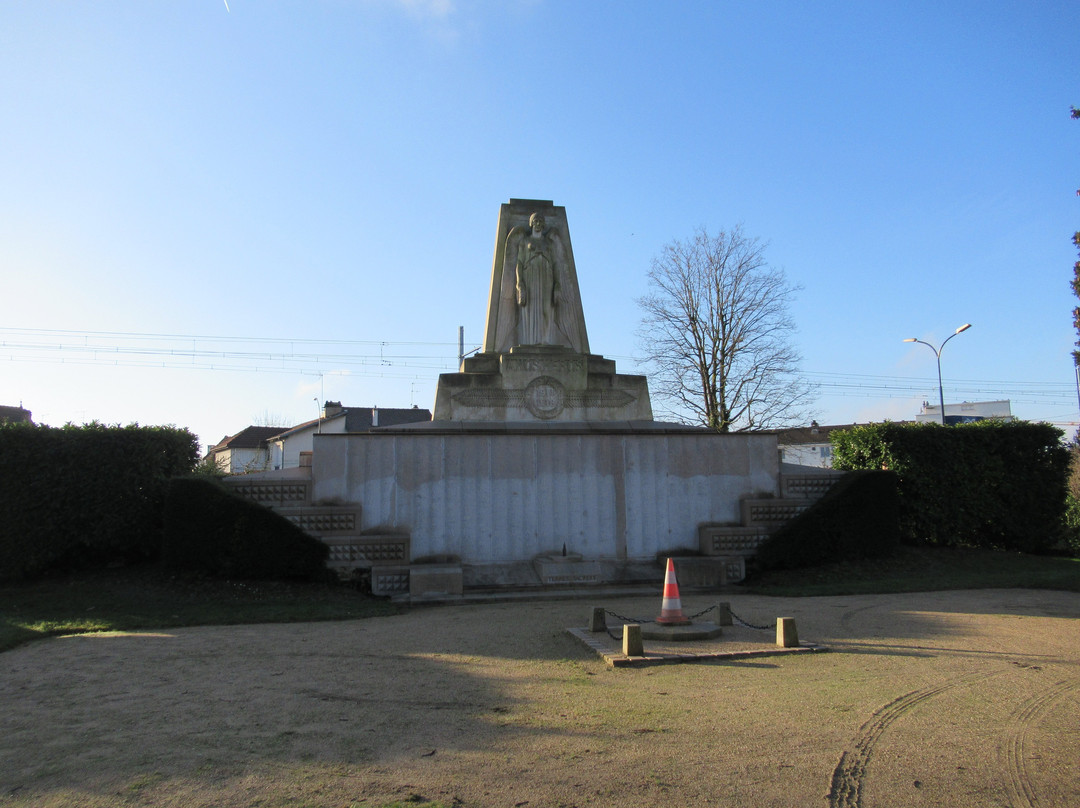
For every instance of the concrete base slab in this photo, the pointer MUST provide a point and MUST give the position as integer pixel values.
(566, 570)
(586, 574)
(693, 631)
(737, 644)
(434, 581)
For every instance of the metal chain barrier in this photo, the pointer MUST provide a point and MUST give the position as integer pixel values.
(643, 621)
(703, 611)
(639, 620)
(751, 625)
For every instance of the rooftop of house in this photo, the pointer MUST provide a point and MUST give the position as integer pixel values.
(360, 419)
(802, 435)
(15, 415)
(815, 433)
(252, 437)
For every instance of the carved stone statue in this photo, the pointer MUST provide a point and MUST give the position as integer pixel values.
(537, 280)
(539, 300)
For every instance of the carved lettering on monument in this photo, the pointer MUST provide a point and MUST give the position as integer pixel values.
(526, 364)
(544, 398)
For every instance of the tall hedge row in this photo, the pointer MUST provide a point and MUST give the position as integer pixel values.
(211, 530)
(985, 484)
(857, 518)
(78, 493)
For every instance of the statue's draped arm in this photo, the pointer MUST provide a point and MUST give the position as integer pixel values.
(506, 324)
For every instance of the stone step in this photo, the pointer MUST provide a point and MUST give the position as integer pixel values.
(324, 520)
(730, 540)
(771, 513)
(390, 581)
(807, 486)
(349, 553)
(272, 493)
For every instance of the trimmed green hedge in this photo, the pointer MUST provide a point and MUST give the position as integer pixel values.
(81, 495)
(986, 484)
(212, 530)
(857, 518)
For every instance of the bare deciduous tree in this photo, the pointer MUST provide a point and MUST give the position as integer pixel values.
(268, 418)
(717, 334)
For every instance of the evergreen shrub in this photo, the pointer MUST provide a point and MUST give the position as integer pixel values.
(211, 530)
(82, 495)
(1072, 525)
(985, 484)
(857, 518)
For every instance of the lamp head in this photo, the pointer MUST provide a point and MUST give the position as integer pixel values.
(911, 339)
(964, 327)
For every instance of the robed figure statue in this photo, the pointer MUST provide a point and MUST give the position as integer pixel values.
(539, 300)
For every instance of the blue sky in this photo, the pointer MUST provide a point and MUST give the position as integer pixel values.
(211, 215)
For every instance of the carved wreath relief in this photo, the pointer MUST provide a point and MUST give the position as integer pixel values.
(545, 397)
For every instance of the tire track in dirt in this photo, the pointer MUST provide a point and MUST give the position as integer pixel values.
(1023, 720)
(850, 614)
(847, 779)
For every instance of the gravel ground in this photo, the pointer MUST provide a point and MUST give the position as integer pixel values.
(937, 699)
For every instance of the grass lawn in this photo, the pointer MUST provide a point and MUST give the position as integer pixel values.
(145, 597)
(139, 598)
(923, 569)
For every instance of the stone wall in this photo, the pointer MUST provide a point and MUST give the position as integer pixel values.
(501, 497)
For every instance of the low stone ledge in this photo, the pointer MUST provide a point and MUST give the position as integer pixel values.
(324, 520)
(352, 552)
(698, 572)
(730, 540)
(435, 581)
(808, 486)
(390, 581)
(272, 492)
(771, 513)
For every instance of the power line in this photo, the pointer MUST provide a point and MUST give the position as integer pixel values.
(224, 353)
(213, 337)
(216, 352)
(383, 372)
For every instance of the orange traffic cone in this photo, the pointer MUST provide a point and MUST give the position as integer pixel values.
(671, 607)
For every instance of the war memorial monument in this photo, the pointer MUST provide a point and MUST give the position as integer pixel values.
(542, 466)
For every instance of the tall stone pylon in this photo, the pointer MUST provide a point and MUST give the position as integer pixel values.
(536, 364)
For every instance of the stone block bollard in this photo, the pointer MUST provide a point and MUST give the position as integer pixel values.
(723, 613)
(631, 640)
(787, 635)
(598, 621)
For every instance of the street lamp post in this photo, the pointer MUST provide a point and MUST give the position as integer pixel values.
(937, 353)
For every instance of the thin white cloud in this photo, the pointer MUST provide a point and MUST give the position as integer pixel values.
(427, 9)
(437, 18)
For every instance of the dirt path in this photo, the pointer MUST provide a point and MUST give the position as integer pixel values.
(942, 699)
